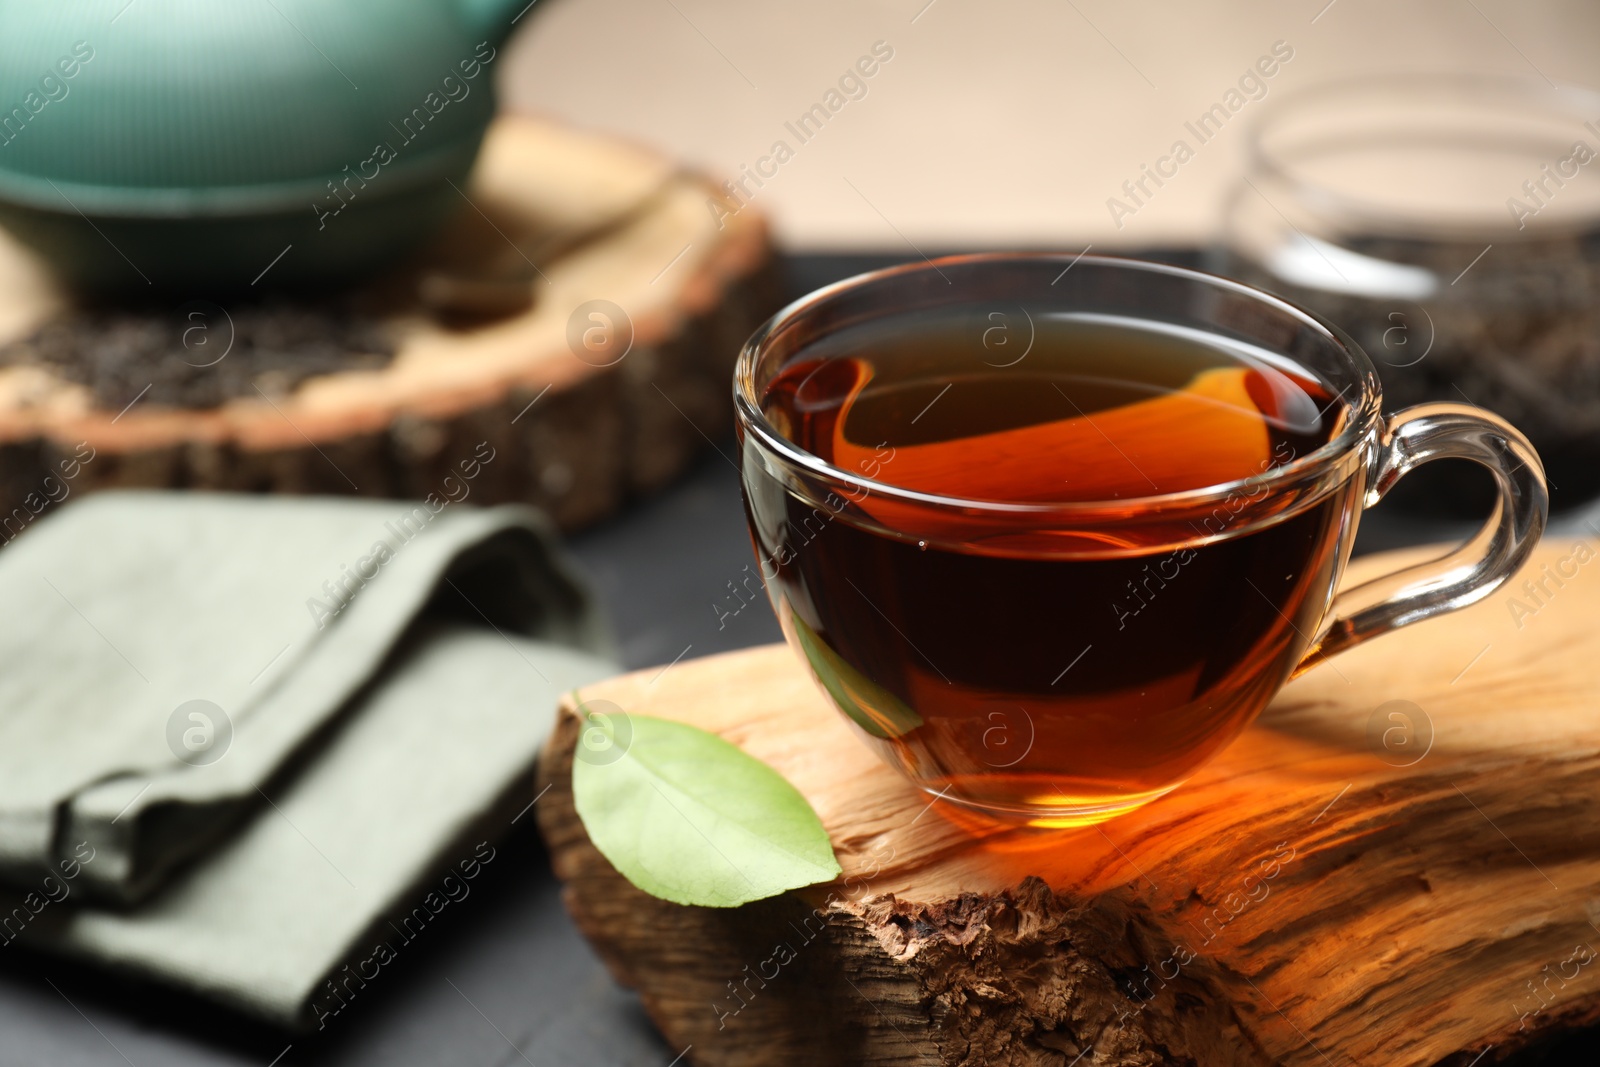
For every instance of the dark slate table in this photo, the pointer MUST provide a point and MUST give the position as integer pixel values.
(503, 979)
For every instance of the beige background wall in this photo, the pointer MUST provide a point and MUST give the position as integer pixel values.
(997, 122)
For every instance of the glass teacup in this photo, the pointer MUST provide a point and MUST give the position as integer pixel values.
(1061, 656)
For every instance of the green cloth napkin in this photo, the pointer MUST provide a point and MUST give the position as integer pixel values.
(374, 677)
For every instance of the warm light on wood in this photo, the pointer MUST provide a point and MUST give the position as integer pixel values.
(1398, 864)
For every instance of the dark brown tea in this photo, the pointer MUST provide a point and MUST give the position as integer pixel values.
(1045, 666)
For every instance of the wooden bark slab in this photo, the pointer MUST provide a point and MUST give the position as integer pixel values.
(1332, 890)
(587, 218)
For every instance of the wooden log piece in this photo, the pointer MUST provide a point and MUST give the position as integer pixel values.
(1353, 881)
(559, 216)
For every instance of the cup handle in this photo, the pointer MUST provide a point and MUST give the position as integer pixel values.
(1409, 439)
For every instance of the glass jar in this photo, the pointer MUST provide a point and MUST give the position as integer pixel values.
(1450, 224)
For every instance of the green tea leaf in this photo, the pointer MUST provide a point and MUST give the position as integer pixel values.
(869, 705)
(688, 817)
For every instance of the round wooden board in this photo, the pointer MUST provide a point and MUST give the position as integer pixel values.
(573, 431)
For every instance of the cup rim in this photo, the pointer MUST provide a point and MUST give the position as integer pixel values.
(1365, 409)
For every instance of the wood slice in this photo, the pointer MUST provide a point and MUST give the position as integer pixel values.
(1352, 881)
(580, 218)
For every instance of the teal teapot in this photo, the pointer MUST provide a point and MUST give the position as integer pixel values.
(206, 146)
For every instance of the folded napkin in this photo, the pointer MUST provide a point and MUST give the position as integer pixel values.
(236, 732)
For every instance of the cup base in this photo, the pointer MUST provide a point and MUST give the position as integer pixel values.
(1054, 811)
